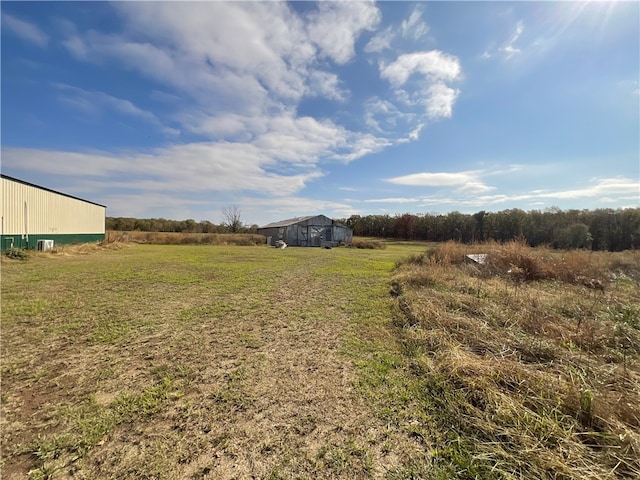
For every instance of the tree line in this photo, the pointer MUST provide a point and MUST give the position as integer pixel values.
(600, 229)
(126, 224)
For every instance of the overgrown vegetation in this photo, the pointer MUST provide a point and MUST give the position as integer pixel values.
(164, 238)
(524, 367)
(368, 244)
(16, 253)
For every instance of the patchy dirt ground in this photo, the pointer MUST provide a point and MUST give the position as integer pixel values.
(195, 362)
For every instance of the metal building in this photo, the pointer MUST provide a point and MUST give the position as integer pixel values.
(312, 231)
(32, 214)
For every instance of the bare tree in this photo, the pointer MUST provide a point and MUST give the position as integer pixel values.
(231, 218)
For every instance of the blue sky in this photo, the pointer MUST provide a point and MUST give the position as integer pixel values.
(178, 109)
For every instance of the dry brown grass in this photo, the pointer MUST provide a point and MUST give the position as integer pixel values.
(368, 243)
(171, 238)
(529, 364)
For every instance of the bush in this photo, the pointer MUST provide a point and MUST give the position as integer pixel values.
(448, 253)
(17, 253)
(371, 244)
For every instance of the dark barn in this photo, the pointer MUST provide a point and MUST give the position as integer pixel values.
(312, 231)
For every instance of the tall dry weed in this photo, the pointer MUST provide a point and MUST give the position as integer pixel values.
(550, 368)
(171, 238)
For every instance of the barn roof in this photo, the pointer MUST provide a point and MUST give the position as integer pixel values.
(289, 221)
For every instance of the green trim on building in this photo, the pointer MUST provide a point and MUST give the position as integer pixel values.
(58, 239)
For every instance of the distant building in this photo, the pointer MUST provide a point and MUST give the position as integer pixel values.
(31, 213)
(312, 231)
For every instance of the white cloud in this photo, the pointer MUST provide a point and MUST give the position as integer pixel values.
(383, 116)
(434, 65)
(283, 207)
(440, 100)
(600, 187)
(392, 200)
(244, 92)
(195, 167)
(428, 179)
(602, 190)
(380, 41)
(235, 74)
(363, 144)
(508, 48)
(335, 27)
(413, 27)
(431, 92)
(25, 30)
(92, 102)
(326, 84)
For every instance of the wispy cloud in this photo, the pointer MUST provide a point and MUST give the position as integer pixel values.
(604, 190)
(440, 179)
(464, 182)
(392, 200)
(380, 41)
(509, 48)
(93, 102)
(413, 27)
(25, 30)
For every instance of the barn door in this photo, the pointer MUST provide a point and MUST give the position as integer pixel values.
(315, 236)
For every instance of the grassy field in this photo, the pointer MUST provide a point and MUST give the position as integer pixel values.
(194, 361)
(198, 361)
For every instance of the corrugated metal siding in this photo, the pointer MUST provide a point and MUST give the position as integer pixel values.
(314, 231)
(47, 212)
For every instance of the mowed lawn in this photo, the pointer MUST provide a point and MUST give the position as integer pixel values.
(198, 362)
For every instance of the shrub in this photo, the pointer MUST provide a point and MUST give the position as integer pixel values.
(448, 253)
(17, 253)
(370, 244)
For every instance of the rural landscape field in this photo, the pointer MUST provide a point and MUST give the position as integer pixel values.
(400, 361)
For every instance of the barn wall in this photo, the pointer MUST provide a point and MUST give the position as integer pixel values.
(42, 214)
(313, 232)
(342, 234)
(271, 232)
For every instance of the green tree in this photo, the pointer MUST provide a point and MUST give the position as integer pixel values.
(575, 236)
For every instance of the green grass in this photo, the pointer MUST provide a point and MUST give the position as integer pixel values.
(194, 362)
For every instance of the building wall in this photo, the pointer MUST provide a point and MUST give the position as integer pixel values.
(30, 213)
(272, 234)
